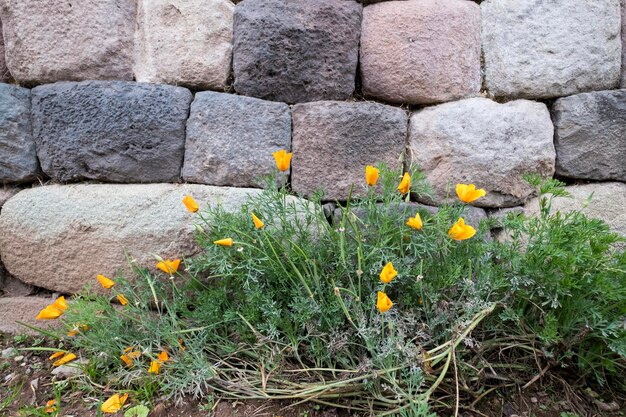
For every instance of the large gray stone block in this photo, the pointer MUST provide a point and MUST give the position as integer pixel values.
(421, 51)
(590, 135)
(18, 157)
(185, 42)
(84, 229)
(604, 201)
(544, 49)
(50, 40)
(110, 130)
(298, 50)
(485, 143)
(333, 142)
(230, 139)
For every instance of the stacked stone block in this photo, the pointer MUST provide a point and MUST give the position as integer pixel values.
(110, 130)
(421, 51)
(230, 139)
(49, 40)
(537, 49)
(185, 42)
(296, 51)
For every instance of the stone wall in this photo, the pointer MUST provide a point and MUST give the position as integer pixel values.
(130, 92)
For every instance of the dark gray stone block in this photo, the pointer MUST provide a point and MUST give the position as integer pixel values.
(297, 50)
(110, 130)
(230, 139)
(18, 157)
(590, 135)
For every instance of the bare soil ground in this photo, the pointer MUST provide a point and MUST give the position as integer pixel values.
(26, 384)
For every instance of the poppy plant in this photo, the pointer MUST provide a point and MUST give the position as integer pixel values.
(113, 404)
(371, 175)
(405, 184)
(49, 313)
(122, 299)
(129, 355)
(388, 273)
(169, 266)
(468, 192)
(65, 359)
(105, 282)
(257, 222)
(283, 159)
(224, 242)
(191, 204)
(51, 406)
(415, 222)
(155, 365)
(461, 231)
(383, 304)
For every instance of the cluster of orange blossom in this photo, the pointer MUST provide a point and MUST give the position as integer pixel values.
(459, 230)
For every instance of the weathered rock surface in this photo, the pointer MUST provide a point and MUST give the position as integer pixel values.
(110, 130)
(538, 49)
(183, 42)
(4, 72)
(18, 160)
(296, 51)
(24, 309)
(48, 41)
(485, 143)
(421, 51)
(6, 193)
(607, 203)
(590, 135)
(333, 142)
(623, 83)
(84, 229)
(230, 139)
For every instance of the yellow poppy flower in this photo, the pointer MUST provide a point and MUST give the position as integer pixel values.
(191, 204)
(283, 159)
(57, 355)
(155, 365)
(383, 304)
(371, 175)
(122, 299)
(49, 313)
(129, 355)
(60, 303)
(169, 266)
(461, 231)
(51, 407)
(405, 184)
(415, 222)
(388, 273)
(224, 242)
(468, 192)
(65, 359)
(257, 222)
(105, 282)
(113, 404)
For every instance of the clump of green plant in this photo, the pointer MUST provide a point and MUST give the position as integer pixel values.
(373, 310)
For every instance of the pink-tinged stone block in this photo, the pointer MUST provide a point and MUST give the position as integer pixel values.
(50, 40)
(421, 51)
